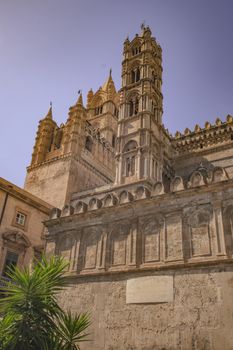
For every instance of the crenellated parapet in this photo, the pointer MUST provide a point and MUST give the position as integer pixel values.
(199, 139)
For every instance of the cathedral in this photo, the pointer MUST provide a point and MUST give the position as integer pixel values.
(145, 218)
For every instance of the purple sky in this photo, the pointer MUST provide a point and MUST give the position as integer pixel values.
(49, 49)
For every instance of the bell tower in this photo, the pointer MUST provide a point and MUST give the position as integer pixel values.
(140, 138)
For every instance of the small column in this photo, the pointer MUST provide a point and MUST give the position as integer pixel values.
(101, 254)
(146, 166)
(75, 253)
(220, 239)
(138, 160)
(132, 245)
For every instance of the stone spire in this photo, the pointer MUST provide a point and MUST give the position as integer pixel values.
(80, 100)
(49, 115)
(89, 97)
(109, 86)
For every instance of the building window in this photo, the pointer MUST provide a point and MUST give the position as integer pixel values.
(11, 261)
(130, 166)
(133, 106)
(113, 140)
(89, 143)
(154, 110)
(98, 110)
(135, 75)
(115, 112)
(20, 218)
(136, 50)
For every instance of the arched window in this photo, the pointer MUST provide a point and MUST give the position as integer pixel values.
(130, 166)
(136, 105)
(135, 75)
(113, 140)
(136, 50)
(89, 143)
(131, 149)
(51, 142)
(154, 110)
(58, 138)
(98, 110)
(131, 108)
(115, 111)
(131, 145)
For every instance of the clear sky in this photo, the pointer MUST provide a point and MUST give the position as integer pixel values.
(49, 49)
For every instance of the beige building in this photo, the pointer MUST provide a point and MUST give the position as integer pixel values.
(21, 226)
(145, 218)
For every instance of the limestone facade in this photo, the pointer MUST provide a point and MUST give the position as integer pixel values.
(21, 226)
(151, 248)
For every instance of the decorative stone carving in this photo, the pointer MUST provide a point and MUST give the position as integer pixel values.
(177, 134)
(219, 174)
(177, 184)
(173, 238)
(109, 200)
(196, 180)
(65, 246)
(158, 189)
(119, 245)
(17, 238)
(94, 204)
(55, 213)
(199, 226)
(80, 207)
(125, 197)
(229, 118)
(91, 245)
(218, 121)
(197, 128)
(187, 131)
(142, 192)
(67, 210)
(150, 228)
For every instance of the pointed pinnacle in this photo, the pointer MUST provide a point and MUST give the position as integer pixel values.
(80, 100)
(50, 112)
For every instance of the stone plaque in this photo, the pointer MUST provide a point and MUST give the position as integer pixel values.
(151, 289)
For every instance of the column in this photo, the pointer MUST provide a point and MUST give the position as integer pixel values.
(220, 238)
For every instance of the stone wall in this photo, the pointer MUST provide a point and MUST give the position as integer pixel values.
(154, 269)
(199, 317)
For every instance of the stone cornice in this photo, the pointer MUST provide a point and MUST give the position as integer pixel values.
(63, 156)
(218, 262)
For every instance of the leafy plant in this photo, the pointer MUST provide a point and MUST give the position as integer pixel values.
(31, 316)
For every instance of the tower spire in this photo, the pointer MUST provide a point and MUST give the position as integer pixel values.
(49, 115)
(80, 98)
